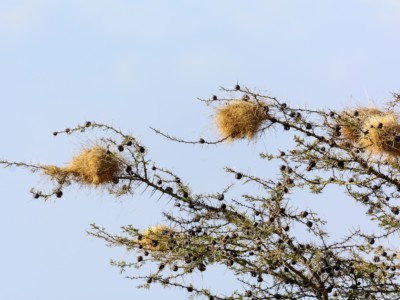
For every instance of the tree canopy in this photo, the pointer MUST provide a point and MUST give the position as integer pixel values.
(256, 236)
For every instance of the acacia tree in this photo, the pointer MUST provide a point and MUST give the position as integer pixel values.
(256, 236)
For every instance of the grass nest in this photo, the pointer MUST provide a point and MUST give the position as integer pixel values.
(93, 166)
(376, 131)
(240, 119)
(352, 122)
(157, 238)
(382, 135)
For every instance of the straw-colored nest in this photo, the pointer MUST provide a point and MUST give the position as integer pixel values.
(351, 125)
(381, 134)
(240, 119)
(93, 166)
(157, 238)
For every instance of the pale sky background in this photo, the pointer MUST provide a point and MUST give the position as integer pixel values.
(135, 64)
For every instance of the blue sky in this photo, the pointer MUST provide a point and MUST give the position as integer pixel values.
(135, 64)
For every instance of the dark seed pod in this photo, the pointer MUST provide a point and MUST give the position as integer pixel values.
(214, 97)
(221, 197)
(189, 289)
(309, 224)
(36, 196)
(59, 194)
(395, 210)
(201, 141)
(175, 268)
(340, 164)
(55, 133)
(120, 148)
(237, 87)
(308, 126)
(142, 149)
(88, 124)
(202, 267)
(140, 258)
(129, 143)
(239, 176)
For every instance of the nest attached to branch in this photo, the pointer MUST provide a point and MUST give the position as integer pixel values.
(382, 137)
(352, 125)
(93, 166)
(376, 131)
(157, 238)
(240, 119)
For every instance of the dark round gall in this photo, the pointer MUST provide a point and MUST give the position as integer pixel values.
(120, 148)
(142, 149)
(201, 141)
(55, 133)
(221, 197)
(88, 124)
(395, 210)
(59, 194)
(239, 176)
(309, 224)
(202, 267)
(36, 196)
(214, 97)
(237, 87)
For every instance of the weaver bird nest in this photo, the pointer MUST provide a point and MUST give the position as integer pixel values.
(93, 166)
(240, 119)
(157, 238)
(372, 129)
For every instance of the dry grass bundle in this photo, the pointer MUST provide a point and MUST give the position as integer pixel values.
(383, 131)
(93, 166)
(156, 238)
(351, 125)
(240, 119)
